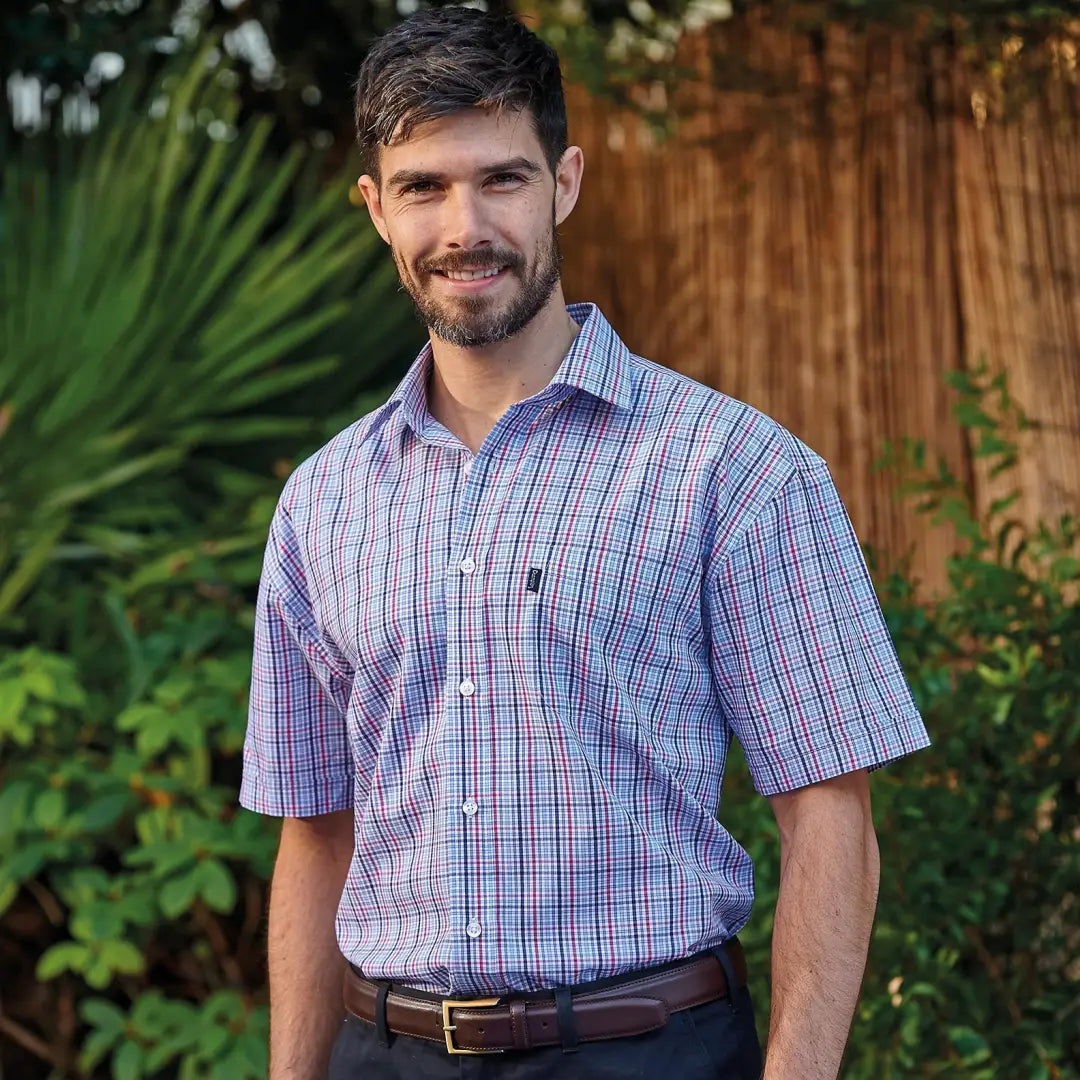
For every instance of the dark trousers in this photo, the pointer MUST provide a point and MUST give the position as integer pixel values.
(708, 1042)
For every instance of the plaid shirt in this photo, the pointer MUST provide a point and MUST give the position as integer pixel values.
(523, 670)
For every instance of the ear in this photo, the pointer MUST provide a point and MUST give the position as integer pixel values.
(370, 190)
(568, 182)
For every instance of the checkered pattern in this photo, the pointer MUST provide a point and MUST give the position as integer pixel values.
(535, 771)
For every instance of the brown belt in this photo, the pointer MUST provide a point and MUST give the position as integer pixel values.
(643, 1002)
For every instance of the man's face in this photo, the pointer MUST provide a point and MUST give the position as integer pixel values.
(469, 208)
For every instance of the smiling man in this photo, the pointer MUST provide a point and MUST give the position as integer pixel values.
(508, 626)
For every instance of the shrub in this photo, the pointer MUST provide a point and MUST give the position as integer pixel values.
(132, 881)
(974, 968)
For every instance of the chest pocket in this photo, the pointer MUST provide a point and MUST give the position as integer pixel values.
(595, 607)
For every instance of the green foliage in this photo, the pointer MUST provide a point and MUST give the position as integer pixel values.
(121, 826)
(161, 305)
(161, 284)
(974, 968)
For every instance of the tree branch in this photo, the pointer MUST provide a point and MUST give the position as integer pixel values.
(28, 1040)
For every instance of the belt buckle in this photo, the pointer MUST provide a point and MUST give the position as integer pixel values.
(449, 1029)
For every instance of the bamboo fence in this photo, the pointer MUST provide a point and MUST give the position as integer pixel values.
(826, 239)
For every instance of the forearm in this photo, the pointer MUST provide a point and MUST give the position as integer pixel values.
(305, 964)
(828, 891)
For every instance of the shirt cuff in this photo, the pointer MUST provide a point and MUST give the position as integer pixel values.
(293, 795)
(888, 740)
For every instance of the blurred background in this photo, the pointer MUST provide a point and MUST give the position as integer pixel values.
(860, 216)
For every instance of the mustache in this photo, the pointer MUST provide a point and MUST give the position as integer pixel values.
(472, 260)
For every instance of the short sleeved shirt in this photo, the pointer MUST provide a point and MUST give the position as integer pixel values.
(523, 670)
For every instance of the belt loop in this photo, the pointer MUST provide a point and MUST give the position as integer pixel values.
(565, 1011)
(382, 1029)
(721, 954)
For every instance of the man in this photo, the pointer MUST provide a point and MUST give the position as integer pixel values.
(508, 625)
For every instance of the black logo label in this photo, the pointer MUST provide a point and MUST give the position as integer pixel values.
(534, 580)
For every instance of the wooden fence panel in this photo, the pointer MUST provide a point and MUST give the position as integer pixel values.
(826, 247)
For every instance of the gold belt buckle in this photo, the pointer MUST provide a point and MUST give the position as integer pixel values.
(449, 1029)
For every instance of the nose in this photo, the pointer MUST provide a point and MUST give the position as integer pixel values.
(465, 226)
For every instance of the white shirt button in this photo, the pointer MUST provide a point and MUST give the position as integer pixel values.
(466, 688)
(474, 929)
(469, 807)
(467, 466)
(467, 566)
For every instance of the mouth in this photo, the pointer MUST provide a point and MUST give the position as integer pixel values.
(471, 280)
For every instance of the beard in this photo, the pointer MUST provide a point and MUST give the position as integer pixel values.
(472, 322)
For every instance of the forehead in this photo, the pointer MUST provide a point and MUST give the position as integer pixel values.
(464, 141)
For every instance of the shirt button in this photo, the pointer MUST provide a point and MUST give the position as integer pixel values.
(469, 807)
(466, 688)
(467, 566)
(474, 929)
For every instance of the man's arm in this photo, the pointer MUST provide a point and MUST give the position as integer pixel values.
(305, 964)
(829, 873)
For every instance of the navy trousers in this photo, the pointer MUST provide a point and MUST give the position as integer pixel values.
(708, 1042)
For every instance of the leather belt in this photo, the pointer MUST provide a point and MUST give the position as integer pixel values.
(629, 1005)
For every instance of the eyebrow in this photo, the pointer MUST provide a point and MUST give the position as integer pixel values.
(404, 177)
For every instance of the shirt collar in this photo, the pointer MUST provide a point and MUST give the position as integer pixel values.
(597, 362)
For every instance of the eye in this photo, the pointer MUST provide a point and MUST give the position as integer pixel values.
(418, 187)
(505, 179)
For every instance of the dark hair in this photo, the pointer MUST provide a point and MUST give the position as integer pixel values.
(442, 60)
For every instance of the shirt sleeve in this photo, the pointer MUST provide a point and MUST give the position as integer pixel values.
(296, 753)
(807, 671)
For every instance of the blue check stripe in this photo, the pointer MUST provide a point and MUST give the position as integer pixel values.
(522, 671)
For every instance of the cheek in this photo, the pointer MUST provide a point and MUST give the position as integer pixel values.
(530, 235)
(413, 237)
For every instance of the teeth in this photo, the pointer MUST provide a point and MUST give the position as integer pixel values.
(472, 275)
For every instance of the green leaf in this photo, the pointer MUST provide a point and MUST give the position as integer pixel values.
(102, 1014)
(66, 956)
(178, 894)
(971, 416)
(8, 891)
(97, 973)
(39, 683)
(969, 1045)
(49, 808)
(216, 885)
(128, 1062)
(123, 957)
(27, 861)
(999, 506)
(230, 1067)
(1002, 708)
(96, 921)
(94, 1048)
(15, 799)
(103, 812)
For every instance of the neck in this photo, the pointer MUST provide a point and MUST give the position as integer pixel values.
(469, 389)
